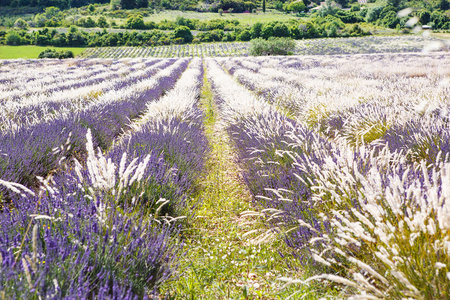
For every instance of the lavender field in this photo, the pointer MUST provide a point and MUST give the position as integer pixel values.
(324, 46)
(344, 159)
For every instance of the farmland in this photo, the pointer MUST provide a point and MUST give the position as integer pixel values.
(226, 177)
(361, 45)
(27, 52)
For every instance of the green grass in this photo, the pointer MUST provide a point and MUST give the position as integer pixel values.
(244, 19)
(13, 52)
(172, 15)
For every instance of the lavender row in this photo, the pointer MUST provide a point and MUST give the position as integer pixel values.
(370, 215)
(170, 130)
(82, 245)
(65, 77)
(9, 69)
(36, 150)
(340, 100)
(259, 134)
(25, 79)
(40, 107)
(113, 246)
(384, 221)
(173, 51)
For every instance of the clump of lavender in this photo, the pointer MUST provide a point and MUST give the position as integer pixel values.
(107, 227)
(421, 138)
(82, 244)
(36, 150)
(389, 225)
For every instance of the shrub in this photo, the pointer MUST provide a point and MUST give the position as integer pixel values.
(244, 36)
(21, 24)
(183, 32)
(280, 30)
(256, 30)
(272, 46)
(102, 22)
(13, 38)
(267, 30)
(296, 6)
(135, 22)
(52, 53)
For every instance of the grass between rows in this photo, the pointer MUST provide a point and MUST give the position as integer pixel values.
(31, 52)
(221, 262)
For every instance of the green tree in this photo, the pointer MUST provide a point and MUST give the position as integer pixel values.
(73, 29)
(135, 21)
(390, 20)
(102, 23)
(245, 35)
(13, 38)
(267, 30)
(424, 16)
(443, 4)
(439, 19)
(256, 30)
(264, 6)
(90, 22)
(91, 8)
(355, 7)
(373, 13)
(20, 24)
(141, 3)
(62, 4)
(280, 30)
(183, 32)
(296, 6)
(52, 12)
(249, 6)
(128, 4)
(294, 32)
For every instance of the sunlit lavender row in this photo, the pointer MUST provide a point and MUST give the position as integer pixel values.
(333, 46)
(355, 168)
(190, 50)
(372, 44)
(374, 105)
(40, 100)
(35, 148)
(104, 224)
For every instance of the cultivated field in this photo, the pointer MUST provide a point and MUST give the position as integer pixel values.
(331, 175)
(328, 46)
(172, 51)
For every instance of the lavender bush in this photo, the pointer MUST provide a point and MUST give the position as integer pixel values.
(106, 228)
(375, 168)
(106, 118)
(81, 244)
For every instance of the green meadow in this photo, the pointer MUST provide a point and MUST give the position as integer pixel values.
(27, 52)
(244, 19)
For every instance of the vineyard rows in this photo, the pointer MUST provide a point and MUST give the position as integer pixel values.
(347, 157)
(359, 45)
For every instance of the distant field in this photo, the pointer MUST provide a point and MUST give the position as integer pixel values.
(371, 44)
(244, 19)
(13, 52)
(325, 46)
(441, 35)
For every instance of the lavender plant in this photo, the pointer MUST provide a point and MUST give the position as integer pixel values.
(82, 244)
(106, 118)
